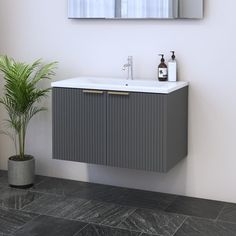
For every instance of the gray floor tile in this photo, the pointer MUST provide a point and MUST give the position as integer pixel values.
(58, 186)
(229, 213)
(196, 207)
(153, 222)
(105, 193)
(93, 212)
(146, 199)
(16, 198)
(100, 192)
(124, 196)
(50, 226)
(57, 206)
(144, 234)
(49, 203)
(205, 227)
(40, 179)
(12, 220)
(110, 210)
(89, 191)
(96, 230)
(79, 209)
(67, 208)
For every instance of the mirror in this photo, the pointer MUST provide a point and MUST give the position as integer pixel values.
(135, 9)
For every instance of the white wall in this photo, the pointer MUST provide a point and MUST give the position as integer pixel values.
(206, 51)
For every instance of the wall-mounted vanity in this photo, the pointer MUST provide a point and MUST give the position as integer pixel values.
(128, 124)
(135, 9)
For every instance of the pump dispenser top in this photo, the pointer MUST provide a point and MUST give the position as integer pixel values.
(162, 57)
(173, 55)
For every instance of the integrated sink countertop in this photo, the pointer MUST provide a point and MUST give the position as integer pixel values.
(117, 84)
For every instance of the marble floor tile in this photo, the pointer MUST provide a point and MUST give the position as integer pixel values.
(125, 196)
(204, 227)
(144, 234)
(146, 199)
(114, 214)
(69, 208)
(59, 186)
(16, 198)
(93, 212)
(40, 179)
(98, 230)
(12, 220)
(50, 226)
(79, 209)
(100, 192)
(153, 222)
(89, 191)
(65, 207)
(108, 210)
(105, 193)
(228, 213)
(196, 207)
(48, 203)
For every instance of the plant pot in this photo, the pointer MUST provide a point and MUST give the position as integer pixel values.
(21, 172)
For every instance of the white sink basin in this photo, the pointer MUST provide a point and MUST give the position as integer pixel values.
(117, 84)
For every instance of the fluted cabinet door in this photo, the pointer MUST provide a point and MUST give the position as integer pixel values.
(135, 131)
(79, 125)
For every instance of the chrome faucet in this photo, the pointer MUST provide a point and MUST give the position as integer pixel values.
(129, 65)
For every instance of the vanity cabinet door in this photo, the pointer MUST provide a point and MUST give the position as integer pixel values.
(136, 131)
(79, 125)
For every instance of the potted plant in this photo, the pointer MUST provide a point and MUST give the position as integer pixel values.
(21, 99)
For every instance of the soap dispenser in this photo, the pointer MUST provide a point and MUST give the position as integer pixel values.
(172, 68)
(162, 69)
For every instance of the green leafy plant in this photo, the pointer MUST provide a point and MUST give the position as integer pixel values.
(22, 96)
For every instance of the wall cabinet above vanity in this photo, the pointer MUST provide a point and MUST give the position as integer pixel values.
(120, 128)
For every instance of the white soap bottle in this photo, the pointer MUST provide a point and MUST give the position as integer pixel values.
(172, 68)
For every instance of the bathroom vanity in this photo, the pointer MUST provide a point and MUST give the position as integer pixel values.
(122, 123)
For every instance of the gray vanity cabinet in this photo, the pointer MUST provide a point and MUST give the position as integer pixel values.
(133, 130)
(79, 125)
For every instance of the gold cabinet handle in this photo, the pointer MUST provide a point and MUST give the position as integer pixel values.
(93, 91)
(118, 93)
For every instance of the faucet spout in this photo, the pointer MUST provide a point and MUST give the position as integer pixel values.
(129, 67)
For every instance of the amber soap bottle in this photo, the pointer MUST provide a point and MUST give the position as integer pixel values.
(162, 69)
